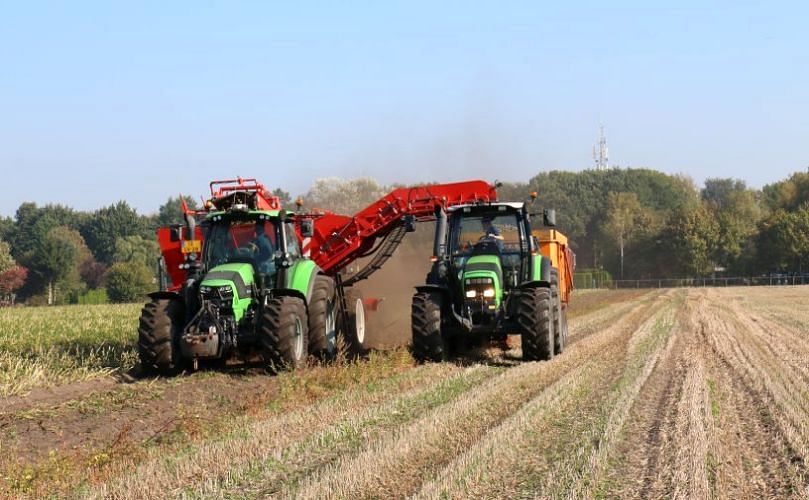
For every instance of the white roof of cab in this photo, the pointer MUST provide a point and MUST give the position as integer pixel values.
(514, 204)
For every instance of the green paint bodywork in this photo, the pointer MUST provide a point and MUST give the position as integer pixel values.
(300, 276)
(536, 274)
(240, 304)
(486, 259)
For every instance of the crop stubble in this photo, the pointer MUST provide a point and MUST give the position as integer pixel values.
(660, 394)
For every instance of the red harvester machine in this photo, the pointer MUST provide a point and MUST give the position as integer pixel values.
(245, 277)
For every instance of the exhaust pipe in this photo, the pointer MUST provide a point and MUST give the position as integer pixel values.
(440, 243)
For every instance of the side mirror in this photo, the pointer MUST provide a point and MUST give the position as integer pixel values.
(307, 228)
(549, 217)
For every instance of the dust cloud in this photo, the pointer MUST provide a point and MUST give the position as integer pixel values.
(393, 285)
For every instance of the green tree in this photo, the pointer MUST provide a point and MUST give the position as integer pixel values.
(171, 212)
(689, 237)
(788, 195)
(737, 212)
(33, 223)
(783, 242)
(57, 259)
(128, 282)
(6, 260)
(107, 225)
(626, 217)
(136, 249)
(6, 227)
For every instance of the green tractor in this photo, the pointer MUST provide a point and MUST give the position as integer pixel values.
(247, 293)
(490, 279)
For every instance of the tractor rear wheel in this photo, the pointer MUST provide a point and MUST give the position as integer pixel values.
(428, 343)
(322, 319)
(283, 333)
(535, 317)
(158, 336)
(558, 313)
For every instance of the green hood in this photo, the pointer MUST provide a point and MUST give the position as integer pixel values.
(239, 277)
(486, 266)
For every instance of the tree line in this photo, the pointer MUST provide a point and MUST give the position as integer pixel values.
(630, 223)
(640, 223)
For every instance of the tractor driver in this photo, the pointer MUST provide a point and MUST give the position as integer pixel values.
(490, 232)
(263, 251)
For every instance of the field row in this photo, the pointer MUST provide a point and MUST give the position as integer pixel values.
(673, 393)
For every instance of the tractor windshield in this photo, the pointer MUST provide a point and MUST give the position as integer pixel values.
(242, 241)
(503, 229)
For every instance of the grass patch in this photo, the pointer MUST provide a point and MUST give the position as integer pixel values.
(48, 346)
(713, 396)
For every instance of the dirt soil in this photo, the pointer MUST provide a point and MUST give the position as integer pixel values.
(660, 394)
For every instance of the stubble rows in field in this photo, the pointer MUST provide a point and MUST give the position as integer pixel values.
(674, 393)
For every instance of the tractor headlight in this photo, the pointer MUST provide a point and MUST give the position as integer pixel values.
(226, 292)
(488, 293)
(470, 294)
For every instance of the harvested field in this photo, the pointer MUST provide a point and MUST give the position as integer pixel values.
(688, 393)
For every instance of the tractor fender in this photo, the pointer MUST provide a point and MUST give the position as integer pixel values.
(526, 285)
(434, 288)
(165, 294)
(288, 292)
(540, 274)
(302, 276)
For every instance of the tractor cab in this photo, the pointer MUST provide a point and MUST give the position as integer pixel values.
(260, 239)
(489, 249)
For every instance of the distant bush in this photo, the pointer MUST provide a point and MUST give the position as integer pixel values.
(97, 296)
(592, 278)
(128, 282)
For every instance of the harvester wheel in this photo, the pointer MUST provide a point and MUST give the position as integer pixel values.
(323, 319)
(535, 317)
(558, 313)
(356, 336)
(158, 334)
(283, 333)
(428, 343)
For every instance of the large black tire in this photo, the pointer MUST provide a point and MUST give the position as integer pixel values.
(283, 333)
(535, 317)
(161, 322)
(558, 313)
(322, 319)
(428, 343)
(564, 325)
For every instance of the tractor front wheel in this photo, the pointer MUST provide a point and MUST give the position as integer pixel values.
(158, 336)
(535, 317)
(283, 333)
(428, 343)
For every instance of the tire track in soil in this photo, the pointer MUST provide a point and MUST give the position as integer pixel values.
(67, 420)
(418, 452)
(553, 434)
(693, 420)
(761, 455)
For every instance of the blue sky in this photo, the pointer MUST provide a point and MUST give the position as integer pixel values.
(100, 102)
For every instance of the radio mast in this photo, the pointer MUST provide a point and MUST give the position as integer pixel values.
(601, 153)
